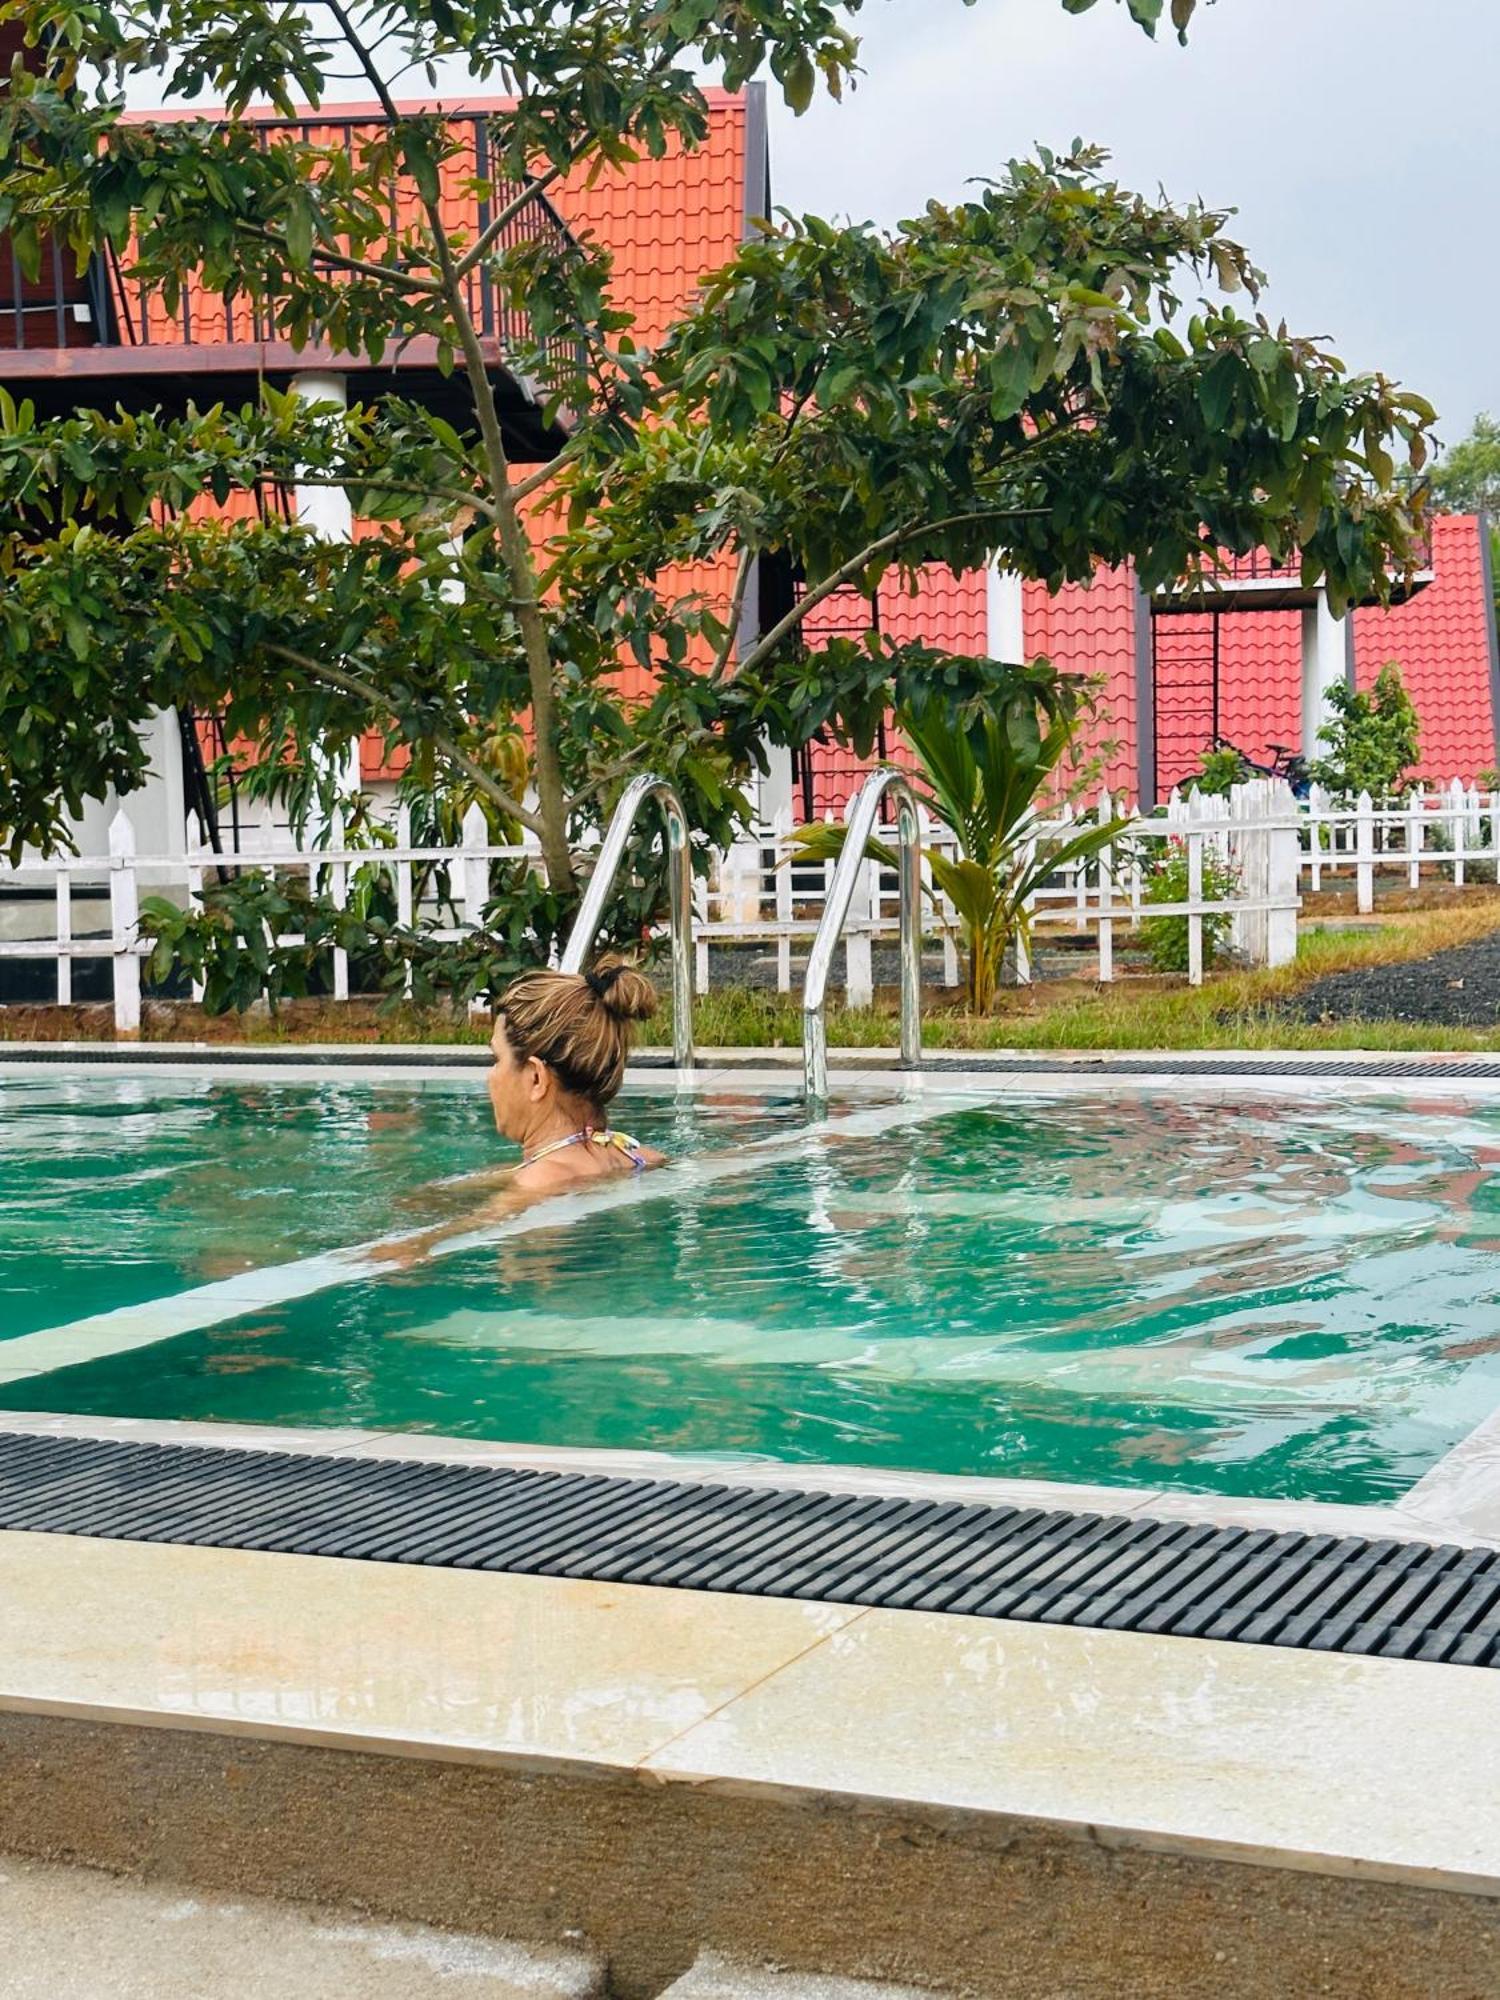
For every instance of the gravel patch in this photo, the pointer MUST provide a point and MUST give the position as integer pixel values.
(1458, 988)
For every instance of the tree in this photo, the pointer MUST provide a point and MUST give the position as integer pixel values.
(989, 747)
(1467, 478)
(1017, 377)
(1372, 738)
(1467, 481)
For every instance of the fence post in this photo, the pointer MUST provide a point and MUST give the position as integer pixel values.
(1364, 854)
(124, 916)
(474, 879)
(1195, 901)
(338, 875)
(1283, 874)
(1316, 799)
(1495, 831)
(1457, 829)
(404, 910)
(1106, 929)
(1414, 837)
(64, 936)
(782, 833)
(1249, 855)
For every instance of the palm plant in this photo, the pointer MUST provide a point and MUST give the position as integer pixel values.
(984, 761)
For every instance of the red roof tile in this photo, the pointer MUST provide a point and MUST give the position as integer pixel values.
(1090, 629)
(1440, 640)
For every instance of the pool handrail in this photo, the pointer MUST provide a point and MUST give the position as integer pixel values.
(576, 953)
(884, 781)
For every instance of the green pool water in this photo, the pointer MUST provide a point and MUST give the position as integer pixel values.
(1248, 1298)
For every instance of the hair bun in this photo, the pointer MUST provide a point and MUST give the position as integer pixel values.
(621, 989)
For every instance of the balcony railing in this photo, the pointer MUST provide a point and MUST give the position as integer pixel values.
(109, 306)
(1260, 567)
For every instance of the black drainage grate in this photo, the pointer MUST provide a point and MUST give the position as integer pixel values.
(1401, 1600)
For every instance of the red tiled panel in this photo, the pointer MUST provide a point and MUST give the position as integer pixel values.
(1440, 641)
(946, 612)
(1090, 629)
(668, 222)
(1260, 681)
(1260, 687)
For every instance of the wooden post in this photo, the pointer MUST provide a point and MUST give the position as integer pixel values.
(64, 936)
(1283, 875)
(1458, 824)
(1195, 911)
(1364, 854)
(124, 917)
(195, 903)
(782, 829)
(1106, 929)
(859, 968)
(339, 889)
(405, 912)
(474, 880)
(1414, 837)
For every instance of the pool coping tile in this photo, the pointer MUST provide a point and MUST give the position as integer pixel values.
(1185, 1746)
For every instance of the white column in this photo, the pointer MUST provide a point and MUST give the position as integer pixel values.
(326, 509)
(1004, 620)
(1324, 666)
(776, 786)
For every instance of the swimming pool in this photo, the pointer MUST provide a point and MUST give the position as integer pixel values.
(1243, 1296)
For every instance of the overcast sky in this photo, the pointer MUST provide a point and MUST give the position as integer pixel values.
(1353, 136)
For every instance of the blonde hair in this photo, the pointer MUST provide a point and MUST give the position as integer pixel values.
(578, 1023)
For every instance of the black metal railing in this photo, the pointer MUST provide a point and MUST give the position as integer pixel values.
(107, 305)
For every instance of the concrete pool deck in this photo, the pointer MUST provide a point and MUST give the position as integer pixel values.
(890, 1794)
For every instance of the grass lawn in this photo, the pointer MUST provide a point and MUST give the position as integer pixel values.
(1232, 1009)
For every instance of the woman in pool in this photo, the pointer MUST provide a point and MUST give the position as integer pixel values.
(560, 1043)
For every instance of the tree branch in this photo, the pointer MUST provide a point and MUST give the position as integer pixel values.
(441, 742)
(736, 609)
(508, 213)
(388, 274)
(522, 489)
(851, 569)
(453, 494)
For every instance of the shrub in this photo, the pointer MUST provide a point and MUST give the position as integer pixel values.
(1218, 774)
(1166, 938)
(1372, 739)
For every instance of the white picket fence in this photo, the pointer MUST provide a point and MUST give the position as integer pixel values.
(1427, 835)
(758, 893)
(458, 878)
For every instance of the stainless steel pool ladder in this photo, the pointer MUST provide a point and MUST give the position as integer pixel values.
(886, 781)
(580, 943)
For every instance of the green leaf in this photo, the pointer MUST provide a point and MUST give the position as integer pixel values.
(1217, 388)
(799, 83)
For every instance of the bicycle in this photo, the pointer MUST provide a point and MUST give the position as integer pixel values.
(1286, 763)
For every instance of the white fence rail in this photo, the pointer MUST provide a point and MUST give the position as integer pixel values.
(428, 882)
(1424, 836)
(1273, 848)
(761, 893)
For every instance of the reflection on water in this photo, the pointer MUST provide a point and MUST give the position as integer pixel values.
(1243, 1298)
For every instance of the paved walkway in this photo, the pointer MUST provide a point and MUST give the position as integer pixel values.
(71, 1934)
